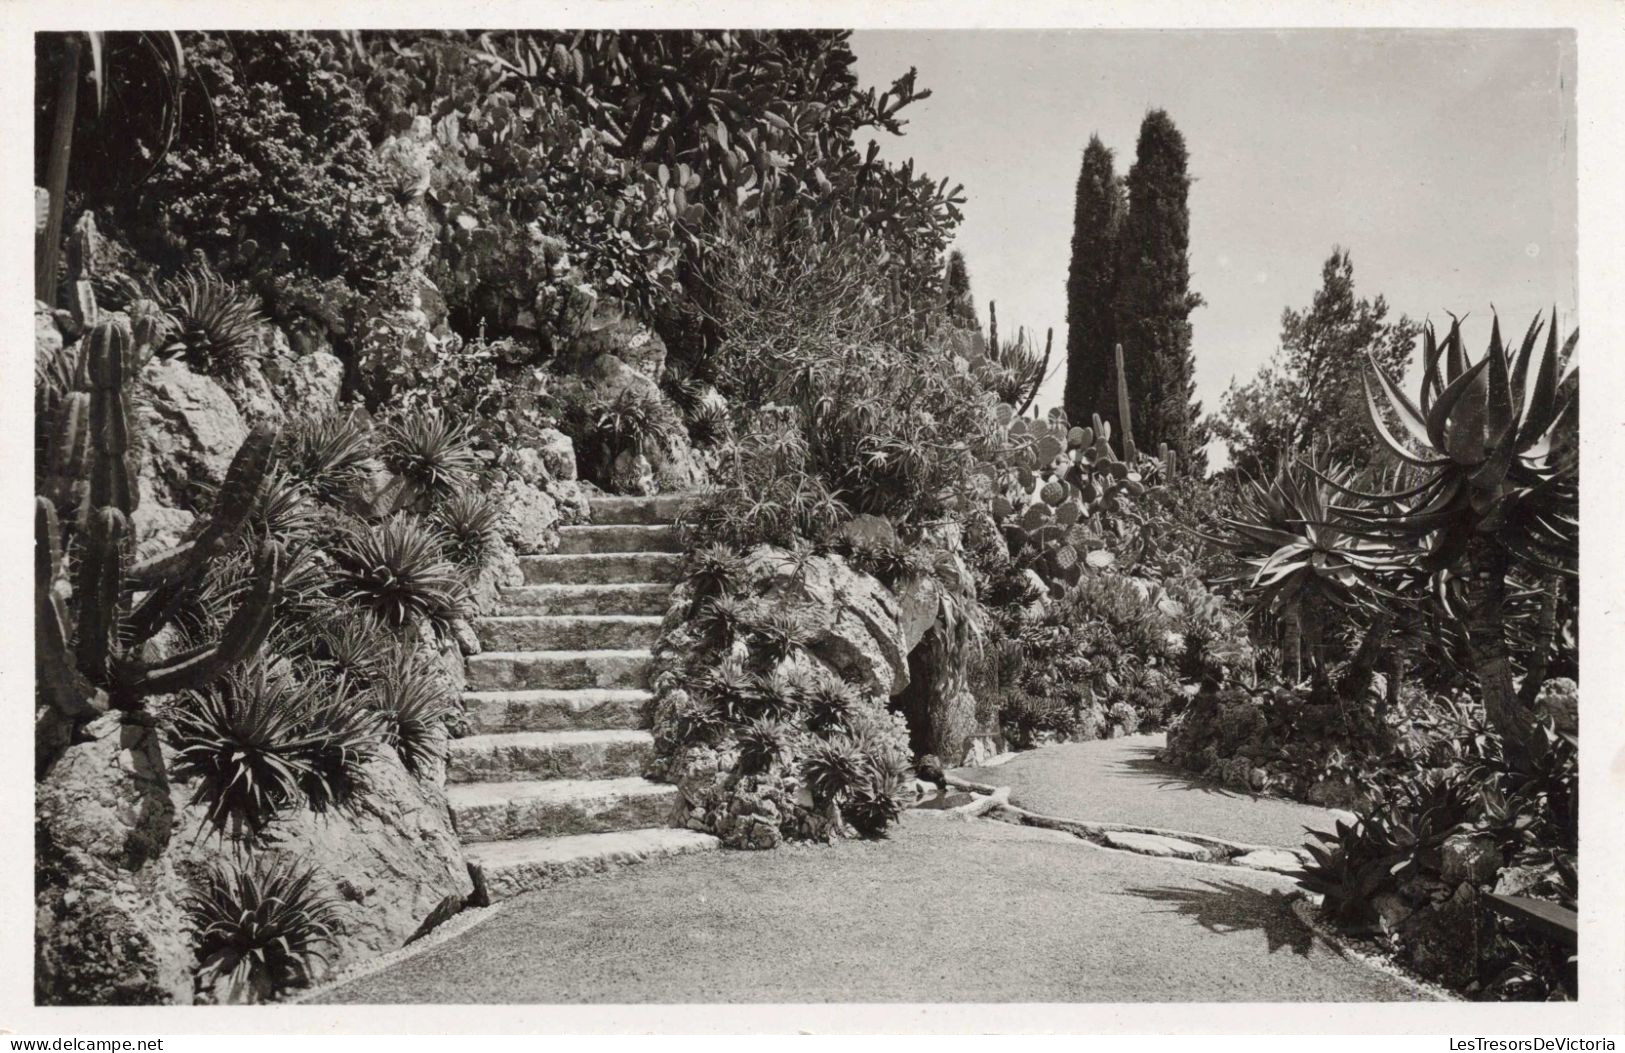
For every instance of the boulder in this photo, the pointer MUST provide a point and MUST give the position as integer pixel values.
(610, 330)
(558, 454)
(854, 617)
(677, 466)
(632, 474)
(109, 926)
(255, 399)
(530, 518)
(190, 430)
(393, 858)
(119, 848)
(609, 376)
(1470, 858)
(918, 600)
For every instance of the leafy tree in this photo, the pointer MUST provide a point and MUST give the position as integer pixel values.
(1090, 281)
(1153, 297)
(1310, 395)
(956, 292)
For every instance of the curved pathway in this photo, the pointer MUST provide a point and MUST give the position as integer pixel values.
(1121, 781)
(944, 910)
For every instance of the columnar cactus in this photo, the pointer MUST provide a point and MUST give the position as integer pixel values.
(91, 656)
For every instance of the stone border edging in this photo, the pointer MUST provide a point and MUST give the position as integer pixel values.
(1095, 831)
(456, 925)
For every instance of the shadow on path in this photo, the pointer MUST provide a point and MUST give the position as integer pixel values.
(1142, 761)
(1226, 907)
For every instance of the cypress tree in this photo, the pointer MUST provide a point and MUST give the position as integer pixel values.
(1153, 296)
(956, 289)
(1090, 283)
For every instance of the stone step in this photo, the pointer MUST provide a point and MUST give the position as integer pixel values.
(502, 811)
(590, 709)
(588, 540)
(549, 755)
(615, 568)
(507, 868)
(567, 632)
(586, 599)
(558, 670)
(616, 511)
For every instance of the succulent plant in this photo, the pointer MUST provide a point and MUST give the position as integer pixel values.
(1498, 487)
(260, 928)
(1055, 481)
(216, 323)
(763, 744)
(397, 572)
(91, 644)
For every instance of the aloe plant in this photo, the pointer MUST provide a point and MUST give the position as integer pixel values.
(1497, 489)
(1301, 556)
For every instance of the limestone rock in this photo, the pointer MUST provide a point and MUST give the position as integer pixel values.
(1155, 845)
(394, 858)
(109, 926)
(530, 518)
(255, 399)
(1559, 702)
(610, 377)
(854, 617)
(1470, 858)
(558, 454)
(610, 330)
(190, 430)
(918, 600)
(632, 474)
(311, 385)
(1278, 860)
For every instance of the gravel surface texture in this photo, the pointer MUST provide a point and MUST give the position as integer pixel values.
(1121, 781)
(945, 910)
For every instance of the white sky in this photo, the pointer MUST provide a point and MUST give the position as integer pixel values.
(1443, 160)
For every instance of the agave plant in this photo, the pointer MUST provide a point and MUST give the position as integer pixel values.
(714, 571)
(260, 928)
(763, 744)
(431, 455)
(877, 802)
(469, 522)
(414, 706)
(1301, 555)
(398, 573)
(217, 323)
(834, 768)
(1497, 486)
(331, 455)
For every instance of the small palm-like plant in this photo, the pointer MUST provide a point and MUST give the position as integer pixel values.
(722, 619)
(265, 739)
(830, 704)
(877, 802)
(779, 695)
(833, 769)
(261, 928)
(469, 521)
(1497, 488)
(735, 693)
(780, 632)
(398, 573)
(414, 707)
(714, 571)
(632, 420)
(217, 324)
(331, 455)
(763, 744)
(696, 722)
(434, 456)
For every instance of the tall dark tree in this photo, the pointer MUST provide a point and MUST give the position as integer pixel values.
(1310, 395)
(956, 292)
(1097, 214)
(1153, 298)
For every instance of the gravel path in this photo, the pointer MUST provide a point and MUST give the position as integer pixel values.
(1121, 781)
(944, 910)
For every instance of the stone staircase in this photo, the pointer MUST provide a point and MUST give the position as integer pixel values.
(550, 784)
